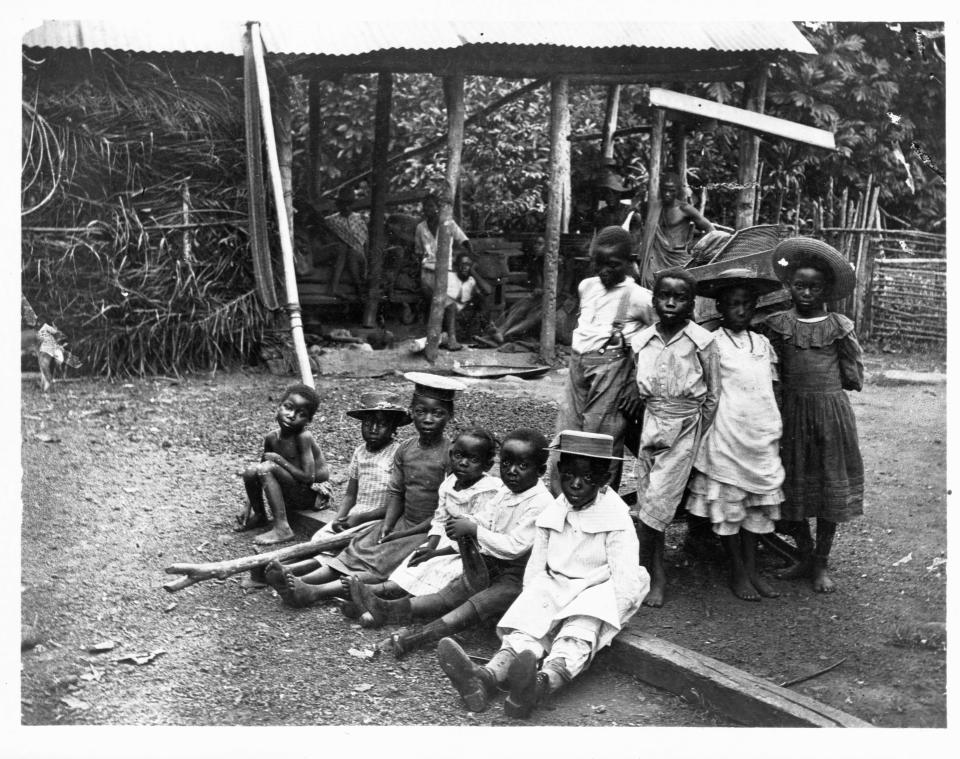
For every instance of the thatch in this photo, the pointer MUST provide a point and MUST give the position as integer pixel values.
(109, 159)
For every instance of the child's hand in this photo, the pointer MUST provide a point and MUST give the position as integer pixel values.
(420, 555)
(276, 458)
(384, 535)
(459, 527)
(340, 524)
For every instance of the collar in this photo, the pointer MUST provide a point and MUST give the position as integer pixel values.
(606, 514)
(698, 335)
(509, 498)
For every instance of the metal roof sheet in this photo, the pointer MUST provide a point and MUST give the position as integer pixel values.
(310, 37)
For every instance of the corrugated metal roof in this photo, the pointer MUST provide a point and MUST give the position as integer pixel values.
(308, 37)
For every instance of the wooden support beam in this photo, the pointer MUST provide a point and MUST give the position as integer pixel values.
(315, 183)
(653, 194)
(559, 154)
(755, 93)
(453, 95)
(610, 120)
(710, 683)
(643, 128)
(680, 155)
(378, 195)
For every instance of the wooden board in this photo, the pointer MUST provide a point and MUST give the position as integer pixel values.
(710, 683)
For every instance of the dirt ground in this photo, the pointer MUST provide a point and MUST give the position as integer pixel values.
(122, 479)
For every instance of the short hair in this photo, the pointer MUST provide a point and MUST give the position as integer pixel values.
(313, 400)
(431, 197)
(484, 436)
(675, 273)
(599, 468)
(615, 239)
(448, 405)
(534, 438)
(460, 255)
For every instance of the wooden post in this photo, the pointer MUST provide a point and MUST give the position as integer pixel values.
(453, 94)
(653, 194)
(610, 120)
(283, 123)
(283, 225)
(378, 195)
(559, 130)
(315, 182)
(755, 91)
(680, 156)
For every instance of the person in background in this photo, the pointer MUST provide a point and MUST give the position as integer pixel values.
(351, 229)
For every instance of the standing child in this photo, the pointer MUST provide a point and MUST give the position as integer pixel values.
(290, 464)
(678, 378)
(737, 470)
(419, 466)
(820, 358)
(581, 585)
(494, 543)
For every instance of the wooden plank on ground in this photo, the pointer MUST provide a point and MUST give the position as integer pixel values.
(710, 683)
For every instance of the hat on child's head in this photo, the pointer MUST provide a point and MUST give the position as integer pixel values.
(434, 386)
(381, 401)
(736, 277)
(610, 181)
(795, 252)
(346, 193)
(592, 444)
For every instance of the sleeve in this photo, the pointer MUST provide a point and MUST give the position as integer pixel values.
(773, 358)
(353, 468)
(641, 307)
(710, 362)
(456, 233)
(516, 540)
(628, 584)
(439, 521)
(537, 563)
(397, 485)
(418, 245)
(850, 356)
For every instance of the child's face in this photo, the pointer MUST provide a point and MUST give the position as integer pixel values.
(611, 198)
(736, 306)
(464, 264)
(293, 415)
(377, 428)
(470, 459)
(673, 301)
(430, 416)
(611, 266)
(578, 482)
(519, 467)
(431, 212)
(808, 288)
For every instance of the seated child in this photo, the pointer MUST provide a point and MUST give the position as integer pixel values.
(678, 378)
(737, 470)
(419, 466)
(581, 585)
(461, 309)
(290, 464)
(494, 541)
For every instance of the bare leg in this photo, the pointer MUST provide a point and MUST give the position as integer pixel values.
(294, 591)
(804, 566)
(356, 264)
(825, 533)
(45, 362)
(651, 556)
(338, 266)
(450, 320)
(301, 568)
(739, 581)
(273, 478)
(748, 543)
(254, 513)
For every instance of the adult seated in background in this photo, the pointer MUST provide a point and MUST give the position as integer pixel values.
(351, 229)
(425, 241)
(613, 213)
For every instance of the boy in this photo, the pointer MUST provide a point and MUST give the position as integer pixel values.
(678, 376)
(425, 244)
(290, 464)
(674, 232)
(351, 229)
(494, 546)
(463, 284)
(613, 308)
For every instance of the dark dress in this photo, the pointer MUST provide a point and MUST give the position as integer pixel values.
(819, 361)
(417, 474)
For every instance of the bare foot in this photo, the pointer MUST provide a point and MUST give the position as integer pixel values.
(366, 620)
(280, 533)
(293, 591)
(249, 520)
(654, 598)
(350, 610)
(796, 571)
(822, 582)
(763, 587)
(743, 589)
(366, 599)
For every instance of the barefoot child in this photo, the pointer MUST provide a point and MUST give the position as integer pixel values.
(581, 585)
(419, 466)
(820, 358)
(494, 543)
(678, 378)
(737, 471)
(291, 462)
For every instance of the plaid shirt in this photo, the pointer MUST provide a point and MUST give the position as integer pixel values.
(352, 229)
(372, 473)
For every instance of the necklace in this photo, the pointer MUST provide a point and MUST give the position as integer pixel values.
(735, 343)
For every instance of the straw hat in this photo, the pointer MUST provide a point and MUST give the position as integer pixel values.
(380, 401)
(610, 181)
(736, 277)
(795, 252)
(590, 444)
(434, 386)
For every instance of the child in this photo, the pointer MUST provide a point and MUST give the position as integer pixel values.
(819, 358)
(365, 500)
(290, 464)
(419, 466)
(613, 308)
(463, 284)
(494, 542)
(678, 377)
(737, 471)
(581, 585)
(425, 244)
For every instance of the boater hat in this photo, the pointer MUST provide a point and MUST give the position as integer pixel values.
(795, 252)
(434, 386)
(380, 401)
(592, 444)
(736, 277)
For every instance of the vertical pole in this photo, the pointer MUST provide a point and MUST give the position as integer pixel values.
(680, 154)
(610, 120)
(566, 192)
(378, 194)
(283, 124)
(313, 139)
(559, 131)
(755, 92)
(187, 247)
(653, 193)
(283, 225)
(453, 94)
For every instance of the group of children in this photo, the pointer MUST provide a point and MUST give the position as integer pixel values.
(440, 545)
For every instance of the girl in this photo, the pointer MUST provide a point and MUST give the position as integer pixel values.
(819, 358)
(419, 467)
(436, 562)
(737, 477)
(581, 585)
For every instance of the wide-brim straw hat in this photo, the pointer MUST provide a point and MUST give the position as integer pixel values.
(594, 445)
(736, 277)
(434, 385)
(379, 401)
(806, 251)
(611, 181)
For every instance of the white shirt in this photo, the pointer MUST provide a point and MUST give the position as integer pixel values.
(599, 307)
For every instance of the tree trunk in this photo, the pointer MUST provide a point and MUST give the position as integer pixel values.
(610, 120)
(653, 192)
(378, 195)
(755, 91)
(680, 156)
(314, 184)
